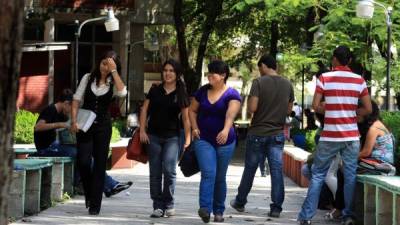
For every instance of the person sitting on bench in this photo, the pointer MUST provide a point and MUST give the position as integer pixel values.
(54, 117)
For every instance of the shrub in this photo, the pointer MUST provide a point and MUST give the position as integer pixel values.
(118, 129)
(115, 135)
(24, 124)
(310, 140)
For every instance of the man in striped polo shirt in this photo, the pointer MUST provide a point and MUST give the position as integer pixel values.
(342, 90)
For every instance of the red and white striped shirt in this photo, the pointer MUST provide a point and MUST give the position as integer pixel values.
(342, 89)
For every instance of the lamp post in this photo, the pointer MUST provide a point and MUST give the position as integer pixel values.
(365, 9)
(111, 23)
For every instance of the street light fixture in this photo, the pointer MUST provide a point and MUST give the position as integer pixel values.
(365, 9)
(111, 23)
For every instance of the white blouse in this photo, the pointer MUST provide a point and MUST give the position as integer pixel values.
(97, 90)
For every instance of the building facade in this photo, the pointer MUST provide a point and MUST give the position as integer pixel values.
(46, 69)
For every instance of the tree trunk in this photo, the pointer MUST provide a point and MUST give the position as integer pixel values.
(11, 23)
(398, 100)
(274, 38)
(215, 9)
(193, 75)
(180, 28)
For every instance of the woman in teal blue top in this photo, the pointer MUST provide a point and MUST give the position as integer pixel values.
(377, 141)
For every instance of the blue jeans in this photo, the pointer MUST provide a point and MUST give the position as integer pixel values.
(213, 163)
(163, 156)
(58, 150)
(326, 152)
(256, 149)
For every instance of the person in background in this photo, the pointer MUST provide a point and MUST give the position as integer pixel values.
(55, 116)
(295, 122)
(95, 93)
(162, 108)
(297, 110)
(271, 101)
(212, 112)
(310, 120)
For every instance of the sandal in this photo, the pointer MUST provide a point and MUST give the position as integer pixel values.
(333, 215)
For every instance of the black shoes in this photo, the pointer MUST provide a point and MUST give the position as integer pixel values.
(236, 206)
(204, 215)
(118, 188)
(94, 211)
(218, 218)
(305, 222)
(274, 214)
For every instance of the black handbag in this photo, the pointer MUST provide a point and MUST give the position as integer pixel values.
(188, 162)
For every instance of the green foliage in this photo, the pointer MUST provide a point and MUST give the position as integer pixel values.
(24, 124)
(309, 136)
(246, 77)
(118, 128)
(392, 121)
(115, 135)
(310, 140)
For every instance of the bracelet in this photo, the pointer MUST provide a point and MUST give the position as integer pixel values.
(112, 71)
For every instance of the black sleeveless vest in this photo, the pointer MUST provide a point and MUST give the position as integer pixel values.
(98, 104)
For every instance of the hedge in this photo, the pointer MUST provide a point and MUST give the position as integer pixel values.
(25, 122)
(392, 122)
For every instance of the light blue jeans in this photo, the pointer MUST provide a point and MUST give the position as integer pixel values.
(213, 163)
(326, 152)
(163, 156)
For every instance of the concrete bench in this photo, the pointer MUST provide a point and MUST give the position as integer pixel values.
(118, 155)
(22, 151)
(31, 187)
(293, 160)
(63, 176)
(378, 200)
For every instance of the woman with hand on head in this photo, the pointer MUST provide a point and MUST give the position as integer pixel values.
(95, 92)
(212, 112)
(377, 142)
(159, 130)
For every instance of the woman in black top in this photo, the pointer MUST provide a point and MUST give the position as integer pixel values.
(162, 107)
(95, 91)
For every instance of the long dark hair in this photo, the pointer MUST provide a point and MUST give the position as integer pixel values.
(95, 74)
(181, 93)
(364, 126)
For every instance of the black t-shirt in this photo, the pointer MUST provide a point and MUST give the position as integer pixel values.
(163, 112)
(43, 139)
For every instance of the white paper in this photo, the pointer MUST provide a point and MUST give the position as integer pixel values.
(85, 119)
